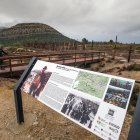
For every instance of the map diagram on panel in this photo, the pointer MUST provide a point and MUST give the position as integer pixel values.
(91, 84)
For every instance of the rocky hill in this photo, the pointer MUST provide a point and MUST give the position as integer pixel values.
(31, 32)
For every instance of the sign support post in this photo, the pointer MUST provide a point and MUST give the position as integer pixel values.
(134, 132)
(17, 91)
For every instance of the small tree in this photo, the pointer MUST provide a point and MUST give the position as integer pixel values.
(84, 40)
(111, 41)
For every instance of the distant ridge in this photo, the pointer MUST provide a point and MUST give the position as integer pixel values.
(2, 28)
(31, 32)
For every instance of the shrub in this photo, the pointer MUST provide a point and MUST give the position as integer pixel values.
(135, 67)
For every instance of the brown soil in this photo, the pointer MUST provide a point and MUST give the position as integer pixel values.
(41, 122)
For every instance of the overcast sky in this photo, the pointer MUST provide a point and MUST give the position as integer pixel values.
(98, 20)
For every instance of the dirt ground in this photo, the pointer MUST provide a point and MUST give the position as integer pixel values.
(41, 122)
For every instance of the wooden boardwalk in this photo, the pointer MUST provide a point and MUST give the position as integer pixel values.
(13, 69)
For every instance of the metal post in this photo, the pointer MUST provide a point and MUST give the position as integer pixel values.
(134, 132)
(18, 104)
(17, 91)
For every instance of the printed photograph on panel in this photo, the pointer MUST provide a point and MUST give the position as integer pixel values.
(92, 84)
(36, 81)
(121, 84)
(80, 109)
(117, 96)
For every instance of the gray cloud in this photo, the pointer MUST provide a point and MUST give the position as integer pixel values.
(94, 19)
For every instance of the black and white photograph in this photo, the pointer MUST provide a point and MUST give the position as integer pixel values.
(80, 109)
(116, 96)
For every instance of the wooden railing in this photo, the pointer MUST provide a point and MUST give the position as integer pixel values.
(10, 62)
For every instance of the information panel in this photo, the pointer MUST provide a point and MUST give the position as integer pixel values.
(98, 102)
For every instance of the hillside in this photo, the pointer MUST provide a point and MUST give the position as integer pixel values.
(2, 28)
(31, 32)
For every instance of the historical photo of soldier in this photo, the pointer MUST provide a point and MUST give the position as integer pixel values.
(80, 109)
(36, 81)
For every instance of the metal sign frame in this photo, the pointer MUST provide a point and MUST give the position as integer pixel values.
(134, 133)
(17, 91)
